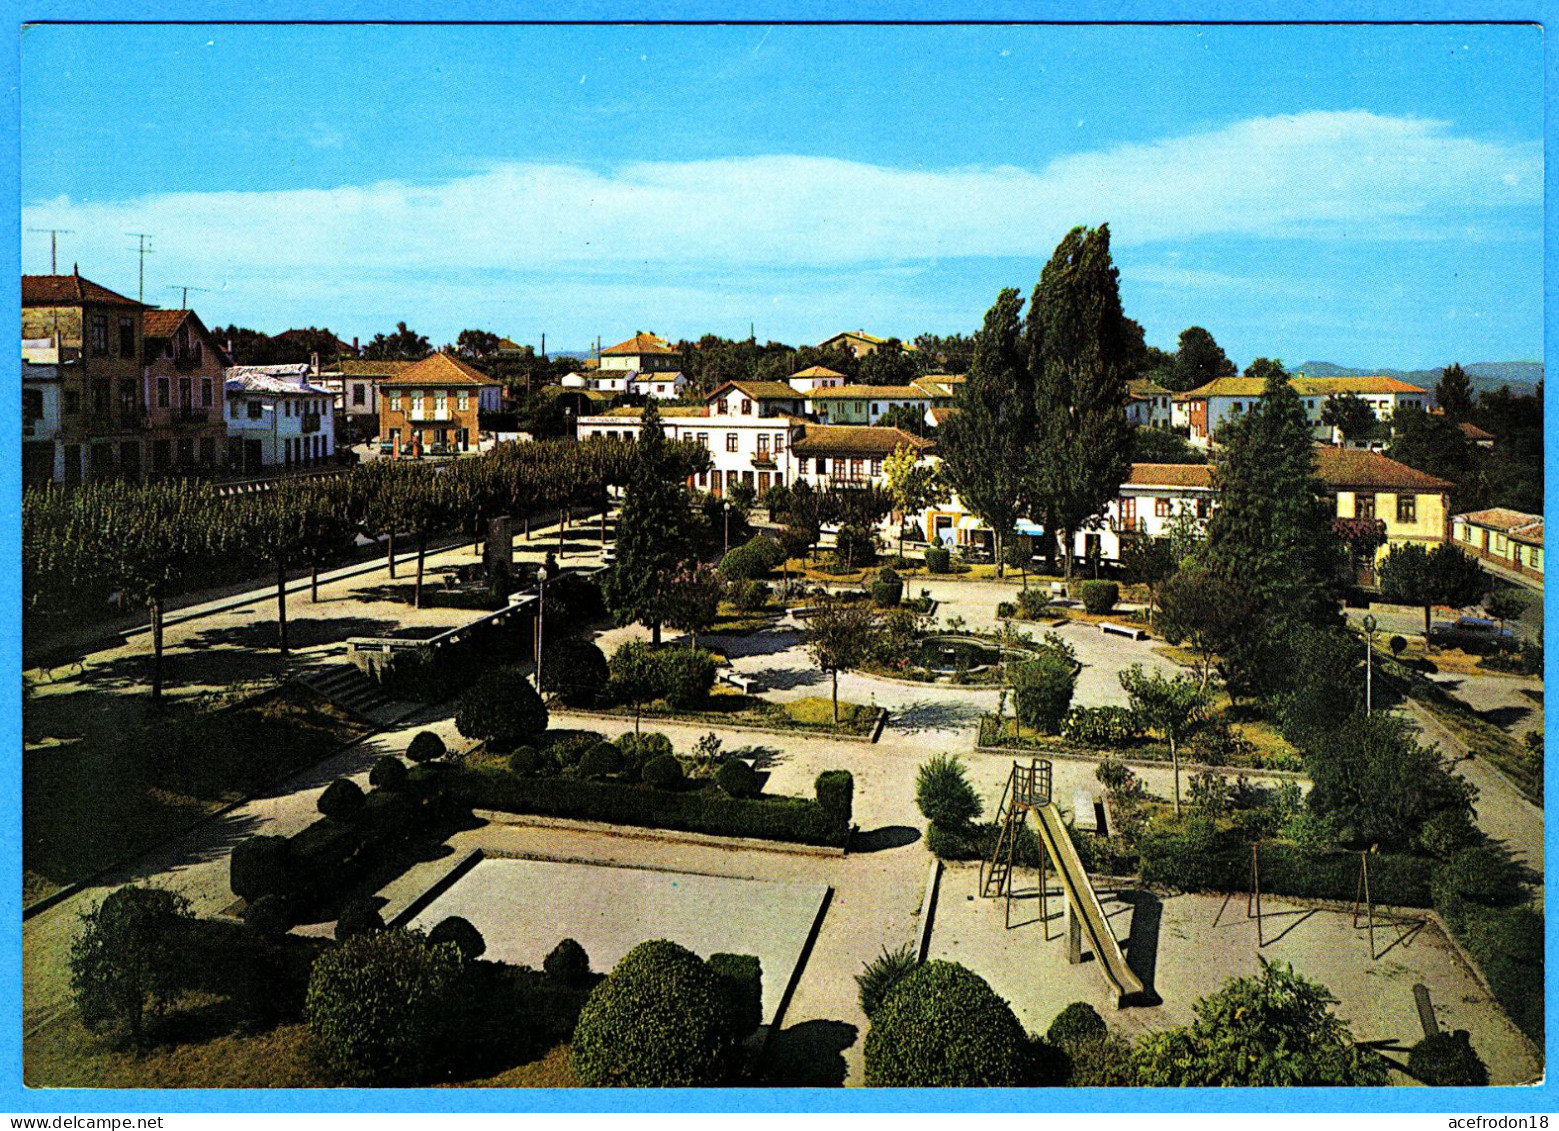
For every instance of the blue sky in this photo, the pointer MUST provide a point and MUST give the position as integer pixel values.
(1368, 196)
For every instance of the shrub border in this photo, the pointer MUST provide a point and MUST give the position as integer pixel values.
(1075, 754)
(694, 720)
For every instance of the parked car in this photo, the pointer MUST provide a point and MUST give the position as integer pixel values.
(1473, 634)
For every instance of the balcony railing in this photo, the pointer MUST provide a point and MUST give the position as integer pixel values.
(421, 414)
(764, 460)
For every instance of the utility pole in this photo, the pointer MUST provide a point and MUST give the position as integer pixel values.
(140, 295)
(54, 234)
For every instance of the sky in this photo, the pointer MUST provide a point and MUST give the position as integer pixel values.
(1369, 196)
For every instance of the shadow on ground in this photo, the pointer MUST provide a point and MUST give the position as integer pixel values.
(889, 836)
(931, 715)
(808, 1055)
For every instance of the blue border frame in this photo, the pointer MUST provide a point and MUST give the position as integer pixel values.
(15, 1098)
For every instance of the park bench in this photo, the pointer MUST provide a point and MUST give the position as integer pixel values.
(744, 683)
(1123, 630)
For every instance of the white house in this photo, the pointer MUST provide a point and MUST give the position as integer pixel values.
(277, 418)
(1148, 405)
(865, 404)
(642, 353)
(43, 456)
(815, 377)
(1202, 411)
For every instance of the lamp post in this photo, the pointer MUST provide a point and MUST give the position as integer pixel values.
(1369, 661)
(541, 612)
(725, 508)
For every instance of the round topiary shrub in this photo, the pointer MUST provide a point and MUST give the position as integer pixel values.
(574, 669)
(388, 773)
(425, 747)
(638, 749)
(378, 1007)
(888, 589)
(835, 792)
(1447, 1060)
(1077, 1024)
(358, 917)
(750, 560)
(259, 866)
(465, 937)
(1397, 644)
(526, 762)
(270, 915)
(944, 1027)
(1099, 597)
(663, 772)
(737, 778)
(568, 964)
(938, 559)
(686, 675)
(657, 1021)
(341, 801)
(502, 708)
(601, 759)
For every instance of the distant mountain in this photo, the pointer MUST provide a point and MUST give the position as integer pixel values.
(1486, 376)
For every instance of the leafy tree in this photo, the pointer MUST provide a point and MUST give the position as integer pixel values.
(1042, 690)
(1505, 604)
(476, 345)
(1275, 1029)
(403, 345)
(913, 485)
(128, 959)
(1351, 417)
(1204, 610)
(1080, 449)
(888, 364)
(502, 708)
(1412, 575)
(1436, 446)
(1158, 445)
(1149, 561)
(635, 676)
(944, 795)
(839, 637)
(984, 444)
(1270, 535)
(1264, 367)
(1453, 393)
(658, 1020)
(655, 532)
(1173, 707)
(692, 600)
(936, 353)
(943, 1026)
(906, 418)
(1199, 360)
(379, 1005)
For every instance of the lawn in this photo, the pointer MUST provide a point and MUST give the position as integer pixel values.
(110, 793)
(728, 705)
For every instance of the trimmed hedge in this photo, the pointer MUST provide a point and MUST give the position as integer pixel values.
(260, 866)
(568, 964)
(601, 759)
(751, 560)
(1099, 597)
(388, 772)
(462, 933)
(737, 778)
(706, 810)
(938, 559)
(425, 747)
(741, 984)
(663, 771)
(835, 791)
(342, 800)
(943, 1026)
(502, 708)
(888, 589)
(574, 669)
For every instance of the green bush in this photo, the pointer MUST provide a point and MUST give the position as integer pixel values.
(741, 985)
(388, 772)
(938, 559)
(663, 771)
(425, 747)
(945, 1027)
(1077, 1024)
(1102, 726)
(1032, 603)
(737, 778)
(796, 542)
(341, 801)
(1099, 597)
(259, 866)
(600, 760)
(358, 917)
(751, 560)
(1483, 876)
(637, 749)
(1447, 1060)
(944, 795)
(460, 933)
(658, 1020)
(568, 964)
(127, 958)
(748, 595)
(854, 548)
(569, 750)
(502, 708)
(888, 589)
(882, 975)
(686, 675)
(573, 669)
(1006, 610)
(835, 792)
(378, 1007)
(526, 762)
(1042, 691)
(271, 915)
(708, 810)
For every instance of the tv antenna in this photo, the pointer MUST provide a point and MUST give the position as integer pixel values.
(54, 235)
(144, 249)
(185, 288)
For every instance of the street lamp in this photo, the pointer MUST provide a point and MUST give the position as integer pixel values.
(1369, 661)
(725, 508)
(542, 573)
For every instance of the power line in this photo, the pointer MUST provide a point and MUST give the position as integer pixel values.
(54, 234)
(140, 295)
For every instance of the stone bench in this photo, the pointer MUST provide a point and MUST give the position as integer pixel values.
(1132, 631)
(1084, 816)
(743, 683)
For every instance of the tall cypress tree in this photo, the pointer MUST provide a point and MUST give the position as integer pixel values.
(1271, 534)
(1454, 392)
(983, 443)
(1080, 449)
(654, 531)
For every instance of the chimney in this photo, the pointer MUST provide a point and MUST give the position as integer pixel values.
(314, 364)
(355, 351)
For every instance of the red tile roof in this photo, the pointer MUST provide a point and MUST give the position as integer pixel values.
(759, 390)
(1473, 432)
(440, 369)
(1170, 475)
(1501, 518)
(856, 439)
(817, 371)
(1343, 468)
(69, 290)
(1304, 386)
(162, 323)
(640, 343)
(867, 392)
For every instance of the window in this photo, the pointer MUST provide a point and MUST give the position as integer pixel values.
(163, 392)
(1160, 508)
(1238, 406)
(463, 400)
(876, 467)
(256, 410)
(763, 443)
(186, 395)
(703, 478)
(721, 408)
(1364, 505)
(127, 337)
(746, 407)
(1127, 506)
(232, 409)
(440, 401)
(32, 404)
(395, 402)
(359, 394)
(779, 442)
(703, 440)
(100, 335)
(876, 409)
(860, 406)
(416, 401)
(730, 441)
(1202, 508)
(207, 393)
(855, 468)
(1407, 509)
(747, 478)
(162, 452)
(208, 450)
(822, 465)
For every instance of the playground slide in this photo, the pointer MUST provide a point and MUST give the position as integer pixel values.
(1085, 902)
